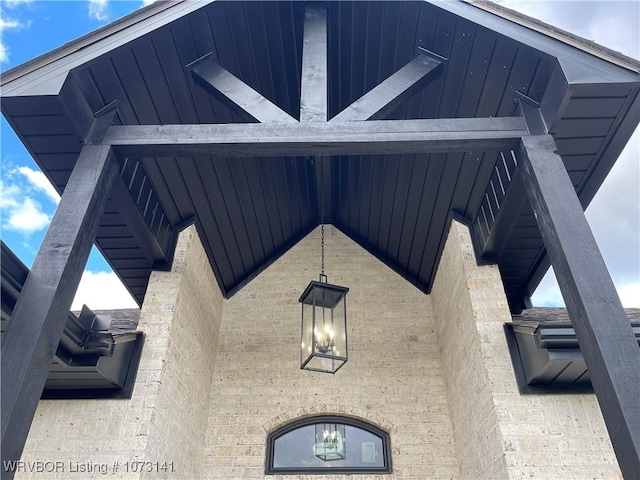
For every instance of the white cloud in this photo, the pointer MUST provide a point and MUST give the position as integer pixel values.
(9, 23)
(98, 10)
(612, 23)
(630, 294)
(21, 209)
(23, 215)
(615, 25)
(6, 23)
(148, 2)
(9, 195)
(614, 215)
(102, 291)
(548, 293)
(15, 3)
(40, 182)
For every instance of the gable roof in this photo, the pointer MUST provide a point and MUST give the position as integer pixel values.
(251, 210)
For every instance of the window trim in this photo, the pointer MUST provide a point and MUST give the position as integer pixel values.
(306, 421)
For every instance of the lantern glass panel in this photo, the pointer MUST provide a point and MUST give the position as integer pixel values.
(338, 322)
(306, 346)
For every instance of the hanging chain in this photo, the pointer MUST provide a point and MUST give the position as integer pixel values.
(322, 220)
(322, 250)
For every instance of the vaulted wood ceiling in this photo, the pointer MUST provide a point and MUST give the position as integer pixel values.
(250, 210)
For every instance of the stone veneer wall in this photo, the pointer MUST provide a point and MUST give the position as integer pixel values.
(393, 378)
(185, 308)
(498, 432)
(434, 371)
(166, 418)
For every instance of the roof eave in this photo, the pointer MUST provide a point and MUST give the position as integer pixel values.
(45, 75)
(583, 44)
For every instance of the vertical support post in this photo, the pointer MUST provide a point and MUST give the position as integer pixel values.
(313, 85)
(40, 313)
(604, 332)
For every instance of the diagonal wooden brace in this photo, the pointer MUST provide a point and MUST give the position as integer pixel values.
(236, 94)
(381, 100)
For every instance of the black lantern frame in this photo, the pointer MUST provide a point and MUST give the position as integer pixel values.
(323, 346)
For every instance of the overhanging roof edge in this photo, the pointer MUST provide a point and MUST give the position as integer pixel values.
(13, 80)
(146, 13)
(583, 45)
(564, 36)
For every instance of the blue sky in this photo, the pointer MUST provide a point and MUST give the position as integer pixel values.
(29, 28)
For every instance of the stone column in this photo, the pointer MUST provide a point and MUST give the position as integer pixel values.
(164, 422)
(498, 432)
(181, 315)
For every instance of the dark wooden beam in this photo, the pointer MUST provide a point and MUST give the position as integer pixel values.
(41, 311)
(506, 213)
(92, 132)
(325, 138)
(149, 244)
(601, 325)
(76, 107)
(236, 94)
(313, 85)
(379, 102)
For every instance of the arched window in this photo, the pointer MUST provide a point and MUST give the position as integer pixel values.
(328, 444)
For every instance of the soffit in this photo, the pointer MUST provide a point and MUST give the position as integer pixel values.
(251, 210)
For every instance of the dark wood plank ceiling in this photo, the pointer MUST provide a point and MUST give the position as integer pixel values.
(251, 210)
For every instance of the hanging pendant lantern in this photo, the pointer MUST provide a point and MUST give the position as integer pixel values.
(323, 347)
(324, 327)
